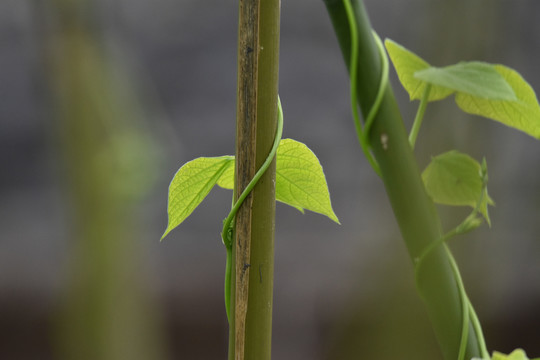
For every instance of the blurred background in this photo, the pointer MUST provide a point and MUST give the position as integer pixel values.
(102, 101)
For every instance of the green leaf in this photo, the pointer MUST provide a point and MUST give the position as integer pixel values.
(454, 178)
(522, 114)
(492, 91)
(191, 184)
(474, 78)
(226, 180)
(300, 180)
(407, 64)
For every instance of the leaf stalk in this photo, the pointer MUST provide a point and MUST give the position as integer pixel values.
(419, 116)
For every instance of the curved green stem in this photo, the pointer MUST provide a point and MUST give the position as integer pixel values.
(479, 333)
(428, 250)
(228, 225)
(363, 133)
(382, 87)
(468, 313)
(419, 116)
(465, 304)
(228, 271)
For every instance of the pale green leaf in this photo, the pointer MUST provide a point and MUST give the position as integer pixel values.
(226, 180)
(474, 78)
(517, 354)
(300, 180)
(454, 178)
(407, 64)
(493, 91)
(190, 186)
(522, 114)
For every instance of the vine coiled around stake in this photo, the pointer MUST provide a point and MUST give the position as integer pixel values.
(228, 224)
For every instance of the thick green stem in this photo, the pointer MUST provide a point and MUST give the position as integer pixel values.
(414, 211)
(253, 249)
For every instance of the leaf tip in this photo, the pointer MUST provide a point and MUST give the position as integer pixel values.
(334, 217)
(167, 231)
(170, 227)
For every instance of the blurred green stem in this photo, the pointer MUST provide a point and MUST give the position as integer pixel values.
(107, 314)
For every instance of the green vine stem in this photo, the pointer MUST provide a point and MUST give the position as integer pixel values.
(414, 210)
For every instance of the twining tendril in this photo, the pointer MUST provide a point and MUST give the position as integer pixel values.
(363, 132)
(228, 223)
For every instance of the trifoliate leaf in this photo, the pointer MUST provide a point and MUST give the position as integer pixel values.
(474, 78)
(191, 184)
(454, 178)
(522, 114)
(407, 64)
(300, 180)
